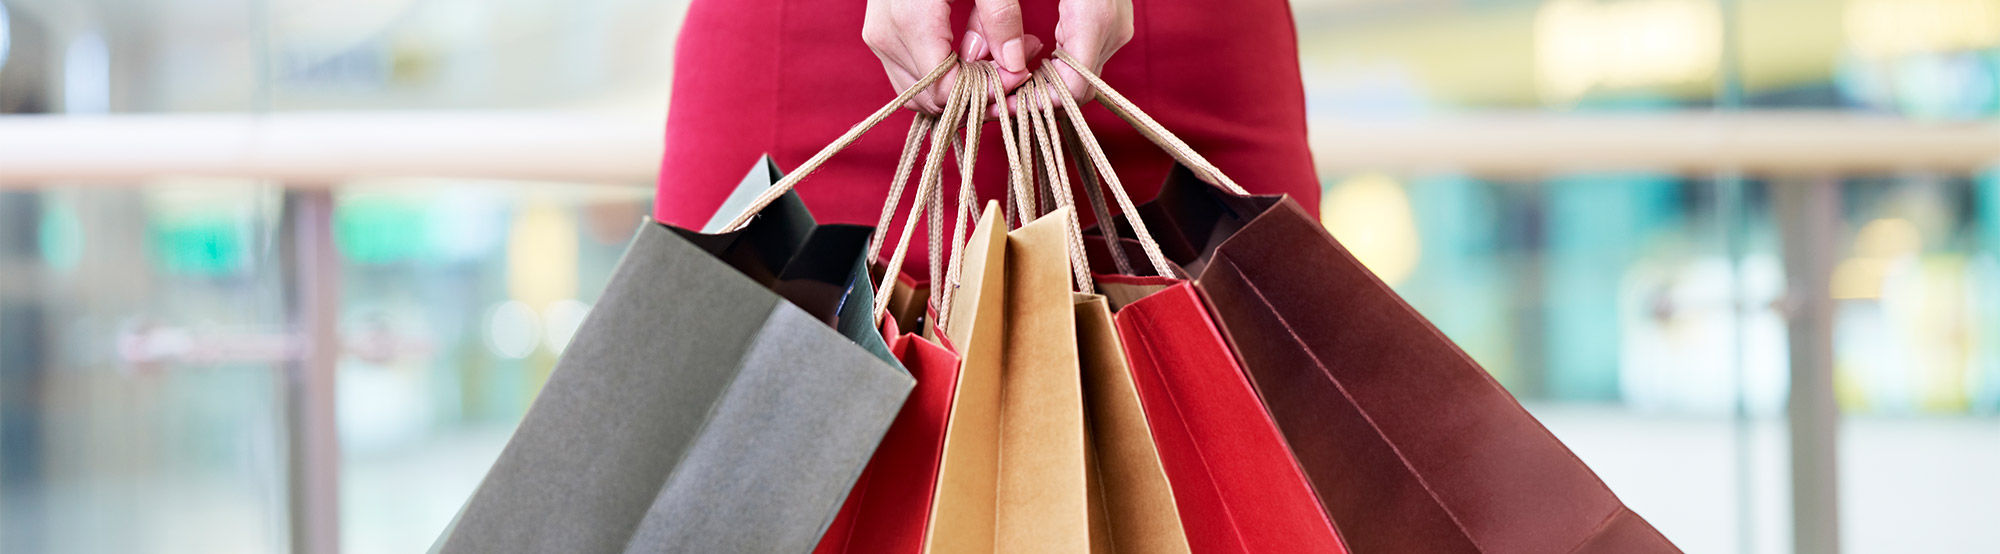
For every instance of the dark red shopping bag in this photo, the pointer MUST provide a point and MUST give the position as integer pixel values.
(1411, 446)
(890, 504)
(1234, 480)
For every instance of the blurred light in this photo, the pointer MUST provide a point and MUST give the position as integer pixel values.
(561, 320)
(1891, 28)
(1944, 86)
(379, 228)
(1371, 216)
(60, 237)
(511, 330)
(206, 227)
(87, 75)
(335, 25)
(6, 35)
(1877, 246)
(1582, 45)
(466, 223)
(542, 250)
(1888, 238)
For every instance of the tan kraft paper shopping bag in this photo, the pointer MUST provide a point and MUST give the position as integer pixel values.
(1012, 478)
(1131, 504)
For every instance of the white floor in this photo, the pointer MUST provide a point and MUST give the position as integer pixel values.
(1907, 484)
(1927, 485)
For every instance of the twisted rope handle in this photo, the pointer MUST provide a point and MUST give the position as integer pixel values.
(913, 144)
(846, 139)
(928, 199)
(981, 75)
(1043, 117)
(1095, 152)
(1091, 188)
(1030, 166)
(1020, 157)
(1152, 130)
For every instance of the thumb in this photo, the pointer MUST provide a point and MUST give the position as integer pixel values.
(999, 22)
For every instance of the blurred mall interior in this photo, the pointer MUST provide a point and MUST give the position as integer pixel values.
(281, 275)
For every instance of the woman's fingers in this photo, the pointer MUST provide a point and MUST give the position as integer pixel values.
(911, 37)
(1090, 31)
(998, 22)
(1010, 80)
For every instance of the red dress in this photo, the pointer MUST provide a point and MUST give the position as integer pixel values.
(786, 77)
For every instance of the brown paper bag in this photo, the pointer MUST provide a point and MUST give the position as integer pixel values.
(1012, 477)
(1132, 506)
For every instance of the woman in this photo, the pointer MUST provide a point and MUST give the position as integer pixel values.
(786, 77)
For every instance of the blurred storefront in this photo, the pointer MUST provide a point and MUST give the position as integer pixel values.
(1606, 202)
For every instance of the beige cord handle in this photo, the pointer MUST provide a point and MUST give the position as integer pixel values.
(1020, 190)
(812, 164)
(1092, 188)
(1105, 170)
(1044, 119)
(928, 199)
(913, 143)
(1030, 207)
(978, 77)
(1153, 131)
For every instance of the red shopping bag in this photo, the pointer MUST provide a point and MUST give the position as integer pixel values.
(1411, 446)
(1234, 480)
(890, 504)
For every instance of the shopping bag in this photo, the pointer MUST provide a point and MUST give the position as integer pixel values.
(710, 402)
(1410, 444)
(1012, 478)
(890, 504)
(1132, 506)
(1234, 479)
(1231, 476)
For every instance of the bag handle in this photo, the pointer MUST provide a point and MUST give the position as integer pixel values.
(980, 76)
(1152, 130)
(846, 139)
(1092, 188)
(913, 144)
(1095, 151)
(1042, 115)
(928, 197)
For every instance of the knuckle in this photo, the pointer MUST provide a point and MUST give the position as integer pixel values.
(874, 38)
(1120, 34)
(1002, 10)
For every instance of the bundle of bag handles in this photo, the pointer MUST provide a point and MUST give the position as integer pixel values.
(1036, 143)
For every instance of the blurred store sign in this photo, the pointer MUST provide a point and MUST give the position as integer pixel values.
(1587, 45)
(147, 346)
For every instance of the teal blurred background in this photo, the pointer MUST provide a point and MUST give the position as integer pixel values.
(281, 275)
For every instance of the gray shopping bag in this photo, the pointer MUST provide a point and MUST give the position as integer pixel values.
(709, 403)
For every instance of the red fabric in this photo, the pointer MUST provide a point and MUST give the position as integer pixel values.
(787, 76)
(891, 502)
(1411, 445)
(1235, 482)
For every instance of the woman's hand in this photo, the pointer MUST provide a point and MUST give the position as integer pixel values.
(913, 36)
(1090, 30)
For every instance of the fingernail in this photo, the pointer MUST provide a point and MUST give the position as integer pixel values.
(1014, 55)
(974, 46)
